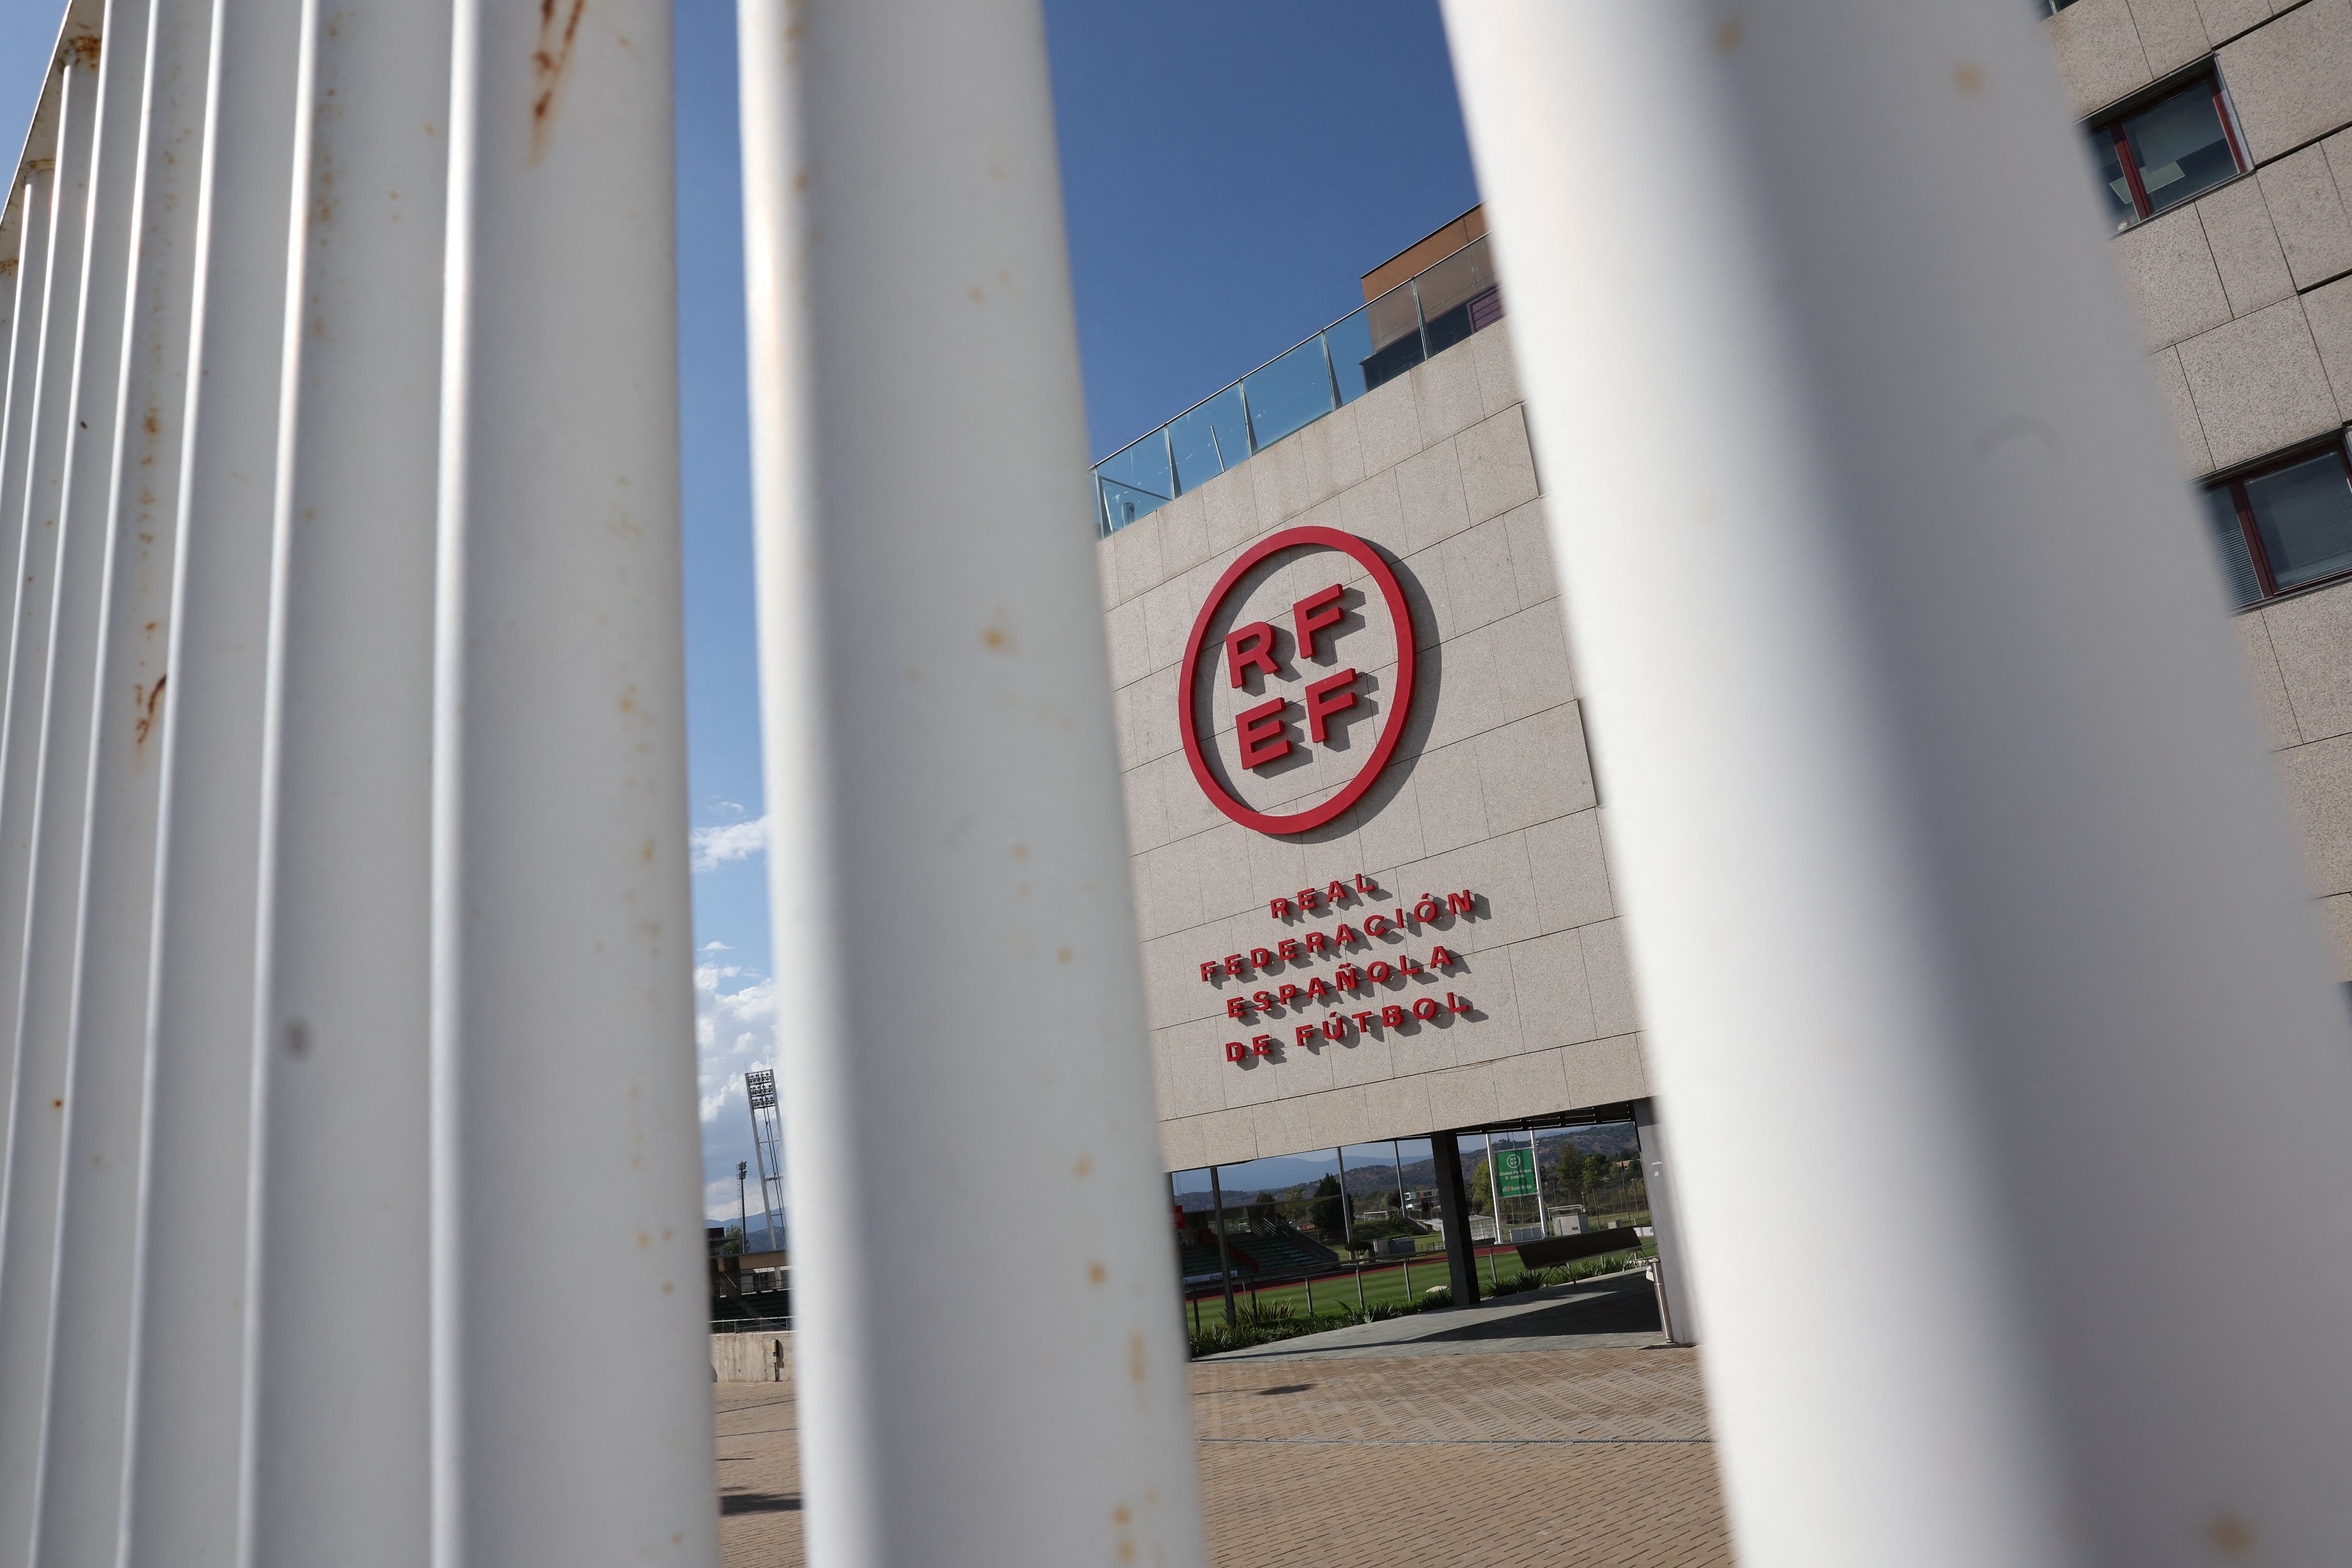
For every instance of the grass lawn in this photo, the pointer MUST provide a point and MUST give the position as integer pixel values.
(1381, 1285)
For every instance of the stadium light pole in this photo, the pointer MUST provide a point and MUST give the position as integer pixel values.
(939, 748)
(1939, 802)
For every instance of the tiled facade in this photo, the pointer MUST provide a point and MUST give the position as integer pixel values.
(2245, 300)
(1491, 789)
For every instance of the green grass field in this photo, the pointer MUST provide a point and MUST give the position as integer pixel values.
(1384, 1285)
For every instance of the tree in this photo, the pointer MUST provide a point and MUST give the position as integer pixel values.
(732, 1246)
(1329, 1212)
(1480, 1192)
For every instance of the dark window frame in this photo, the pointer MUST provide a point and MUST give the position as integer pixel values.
(2235, 482)
(2109, 126)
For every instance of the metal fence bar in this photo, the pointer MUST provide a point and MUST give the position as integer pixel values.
(2005, 874)
(125, 494)
(336, 1442)
(939, 749)
(562, 656)
(24, 235)
(185, 1407)
(28, 1211)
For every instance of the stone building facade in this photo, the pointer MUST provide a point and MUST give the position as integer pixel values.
(1490, 791)
(2243, 297)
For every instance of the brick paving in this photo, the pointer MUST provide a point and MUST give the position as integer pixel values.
(1580, 1457)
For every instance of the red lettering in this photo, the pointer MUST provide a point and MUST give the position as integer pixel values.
(1377, 972)
(1234, 1051)
(1278, 908)
(1345, 977)
(1259, 729)
(1262, 1043)
(1460, 903)
(1262, 999)
(1316, 989)
(1288, 949)
(1237, 1007)
(1441, 959)
(1335, 1028)
(1289, 994)
(1345, 933)
(1249, 646)
(1393, 1015)
(1317, 941)
(1333, 694)
(1308, 899)
(1304, 1034)
(1363, 1020)
(1405, 966)
(1376, 925)
(1234, 965)
(1456, 1003)
(1209, 968)
(1336, 892)
(1260, 957)
(1365, 884)
(1426, 1007)
(1310, 615)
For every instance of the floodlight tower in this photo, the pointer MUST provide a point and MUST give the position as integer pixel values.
(768, 1147)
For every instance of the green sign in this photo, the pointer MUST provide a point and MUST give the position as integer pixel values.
(1515, 1172)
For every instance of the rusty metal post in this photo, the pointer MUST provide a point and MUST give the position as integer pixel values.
(560, 814)
(121, 516)
(337, 1358)
(29, 1200)
(185, 1404)
(939, 747)
(1936, 797)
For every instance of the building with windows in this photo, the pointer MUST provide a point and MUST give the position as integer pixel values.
(1380, 941)
(2223, 133)
(1380, 936)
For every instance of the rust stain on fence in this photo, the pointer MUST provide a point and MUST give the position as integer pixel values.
(549, 64)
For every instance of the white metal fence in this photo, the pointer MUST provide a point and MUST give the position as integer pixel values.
(344, 939)
(343, 878)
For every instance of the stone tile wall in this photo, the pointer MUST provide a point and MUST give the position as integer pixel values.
(1491, 790)
(2245, 300)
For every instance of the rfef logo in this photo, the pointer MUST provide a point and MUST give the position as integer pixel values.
(1291, 689)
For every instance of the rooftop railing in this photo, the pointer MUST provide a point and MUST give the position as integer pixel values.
(1425, 315)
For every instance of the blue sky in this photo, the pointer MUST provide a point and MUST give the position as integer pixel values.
(1231, 169)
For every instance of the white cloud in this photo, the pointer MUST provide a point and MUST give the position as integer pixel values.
(714, 847)
(734, 1031)
(716, 947)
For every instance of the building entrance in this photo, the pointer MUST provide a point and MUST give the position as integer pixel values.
(1295, 1244)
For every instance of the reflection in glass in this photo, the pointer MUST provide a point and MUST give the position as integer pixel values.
(2230, 543)
(2180, 146)
(1136, 482)
(1349, 344)
(1287, 395)
(2109, 164)
(1393, 322)
(2304, 514)
(1207, 440)
(1459, 295)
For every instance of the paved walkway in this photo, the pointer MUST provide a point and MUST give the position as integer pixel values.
(1495, 1438)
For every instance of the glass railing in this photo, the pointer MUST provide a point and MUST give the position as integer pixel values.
(1426, 314)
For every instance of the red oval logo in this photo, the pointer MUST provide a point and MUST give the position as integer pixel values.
(1286, 714)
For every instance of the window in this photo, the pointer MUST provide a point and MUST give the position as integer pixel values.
(2285, 525)
(2165, 151)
